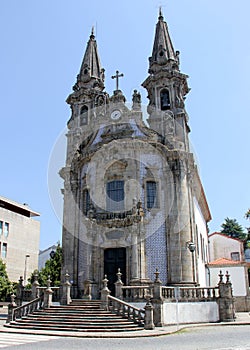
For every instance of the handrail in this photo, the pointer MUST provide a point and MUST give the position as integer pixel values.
(27, 309)
(127, 310)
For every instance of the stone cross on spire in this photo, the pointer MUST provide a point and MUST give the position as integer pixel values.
(117, 76)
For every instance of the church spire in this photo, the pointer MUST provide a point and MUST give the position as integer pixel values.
(91, 74)
(167, 88)
(163, 50)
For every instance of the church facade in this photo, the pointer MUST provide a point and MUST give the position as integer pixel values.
(133, 198)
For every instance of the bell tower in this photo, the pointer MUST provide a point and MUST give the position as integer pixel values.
(88, 89)
(167, 88)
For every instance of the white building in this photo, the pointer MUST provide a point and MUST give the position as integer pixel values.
(19, 238)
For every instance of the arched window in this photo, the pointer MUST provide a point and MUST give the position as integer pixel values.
(84, 115)
(165, 99)
(115, 195)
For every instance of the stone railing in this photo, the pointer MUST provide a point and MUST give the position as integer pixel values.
(158, 294)
(191, 294)
(143, 317)
(137, 293)
(27, 309)
(126, 310)
(15, 311)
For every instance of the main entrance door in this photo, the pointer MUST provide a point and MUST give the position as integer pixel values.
(114, 258)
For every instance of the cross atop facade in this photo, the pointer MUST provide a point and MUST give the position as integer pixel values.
(117, 76)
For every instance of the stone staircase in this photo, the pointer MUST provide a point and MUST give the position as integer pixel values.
(79, 316)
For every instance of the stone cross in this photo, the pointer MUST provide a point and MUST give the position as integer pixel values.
(117, 76)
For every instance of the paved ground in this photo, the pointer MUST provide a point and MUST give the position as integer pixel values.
(194, 338)
(241, 319)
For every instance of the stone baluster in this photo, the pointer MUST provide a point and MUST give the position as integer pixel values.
(12, 305)
(48, 294)
(34, 289)
(66, 298)
(118, 285)
(105, 292)
(226, 300)
(157, 301)
(149, 315)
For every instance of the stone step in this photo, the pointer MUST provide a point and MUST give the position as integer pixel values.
(72, 329)
(77, 314)
(85, 302)
(83, 317)
(74, 317)
(86, 323)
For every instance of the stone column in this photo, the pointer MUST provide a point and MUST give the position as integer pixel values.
(48, 295)
(66, 299)
(105, 292)
(157, 301)
(226, 300)
(134, 264)
(118, 285)
(181, 269)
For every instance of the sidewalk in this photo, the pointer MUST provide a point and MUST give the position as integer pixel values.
(242, 318)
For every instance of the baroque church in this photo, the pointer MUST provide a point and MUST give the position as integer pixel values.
(133, 198)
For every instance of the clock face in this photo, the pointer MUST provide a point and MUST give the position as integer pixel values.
(115, 114)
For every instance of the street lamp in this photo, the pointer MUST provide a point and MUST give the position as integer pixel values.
(191, 246)
(25, 269)
(52, 254)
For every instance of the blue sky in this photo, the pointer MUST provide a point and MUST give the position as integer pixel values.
(42, 45)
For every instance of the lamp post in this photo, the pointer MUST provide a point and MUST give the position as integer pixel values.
(25, 268)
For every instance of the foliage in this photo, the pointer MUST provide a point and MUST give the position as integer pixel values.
(233, 229)
(52, 268)
(5, 285)
(247, 215)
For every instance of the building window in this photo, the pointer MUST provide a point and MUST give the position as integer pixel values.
(152, 194)
(165, 100)
(235, 256)
(115, 195)
(4, 250)
(84, 115)
(1, 228)
(86, 201)
(6, 229)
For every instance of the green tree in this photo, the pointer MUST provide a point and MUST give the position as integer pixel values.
(247, 216)
(5, 285)
(233, 229)
(52, 268)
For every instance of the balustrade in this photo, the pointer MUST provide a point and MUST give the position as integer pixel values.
(193, 294)
(137, 293)
(126, 310)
